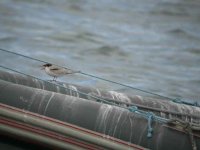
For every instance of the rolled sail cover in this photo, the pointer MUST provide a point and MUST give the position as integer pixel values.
(103, 118)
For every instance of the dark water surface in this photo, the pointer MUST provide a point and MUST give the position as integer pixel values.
(153, 45)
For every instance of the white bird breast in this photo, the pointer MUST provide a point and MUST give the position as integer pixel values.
(47, 70)
(56, 71)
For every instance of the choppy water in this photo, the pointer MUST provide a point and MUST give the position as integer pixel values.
(153, 45)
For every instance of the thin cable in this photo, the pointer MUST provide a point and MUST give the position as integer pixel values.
(107, 100)
(128, 86)
(23, 55)
(93, 76)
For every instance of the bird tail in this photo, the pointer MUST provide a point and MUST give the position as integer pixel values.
(77, 71)
(74, 71)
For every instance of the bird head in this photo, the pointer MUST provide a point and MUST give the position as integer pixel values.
(46, 65)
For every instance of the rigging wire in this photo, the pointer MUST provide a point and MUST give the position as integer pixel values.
(107, 100)
(93, 76)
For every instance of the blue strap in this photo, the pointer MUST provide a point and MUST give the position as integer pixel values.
(148, 115)
(150, 120)
(133, 108)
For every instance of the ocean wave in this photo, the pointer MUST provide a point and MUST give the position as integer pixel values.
(107, 50)
(183, 33)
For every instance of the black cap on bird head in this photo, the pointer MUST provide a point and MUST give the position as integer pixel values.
(47, 65)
